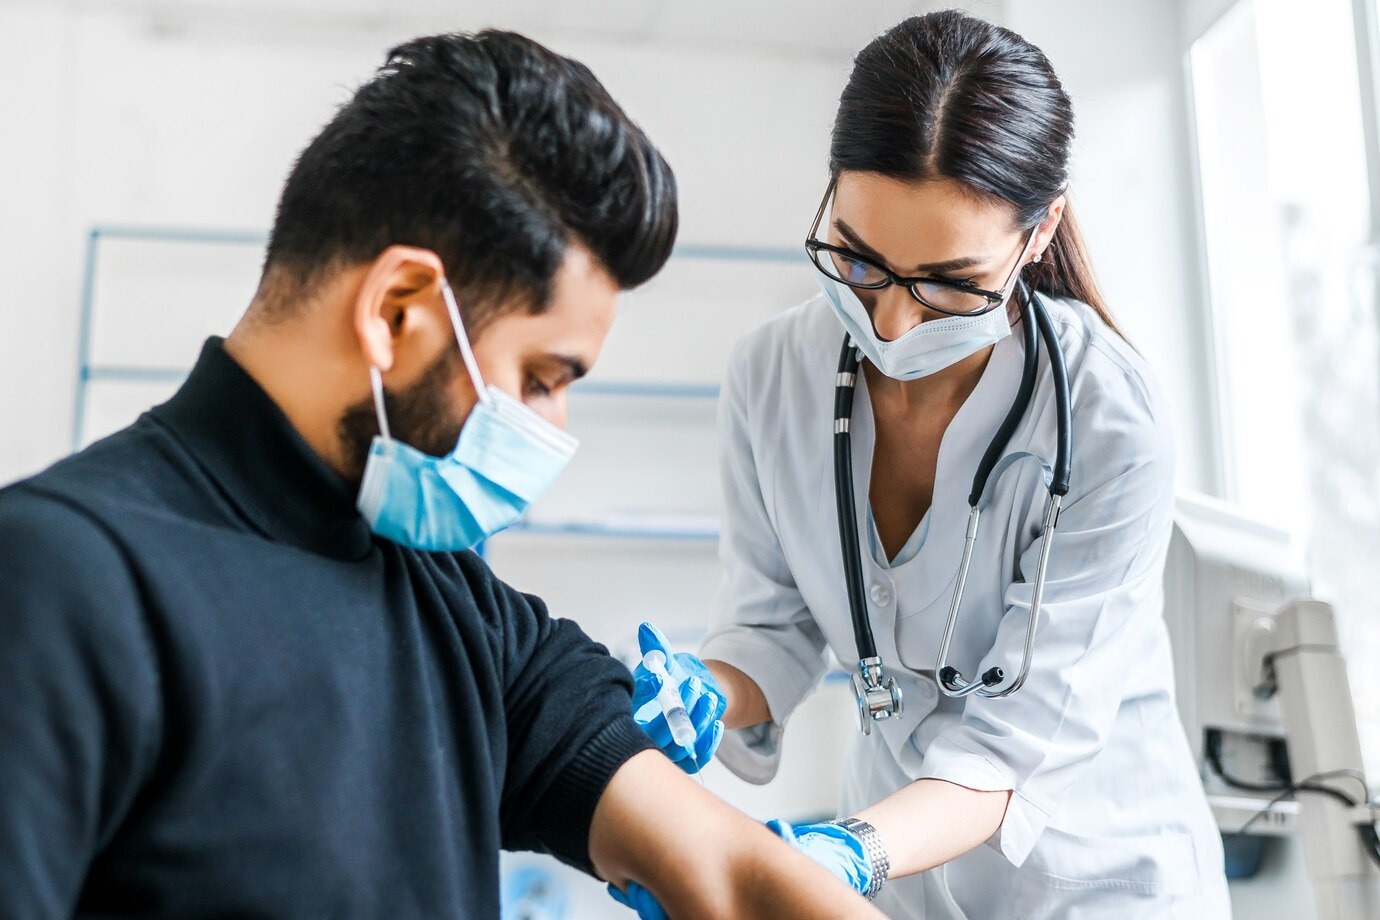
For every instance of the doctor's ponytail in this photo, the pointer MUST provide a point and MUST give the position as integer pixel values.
(947, 95)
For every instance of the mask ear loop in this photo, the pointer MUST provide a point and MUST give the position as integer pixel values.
(1014, 281)
(376, 381)
(466, 352)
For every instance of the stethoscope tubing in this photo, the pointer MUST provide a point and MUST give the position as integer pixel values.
(1030, 373)
(1063, 398)
(845, 386)
(1036, 323)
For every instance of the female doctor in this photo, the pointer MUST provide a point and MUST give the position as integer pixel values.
(1075, 796)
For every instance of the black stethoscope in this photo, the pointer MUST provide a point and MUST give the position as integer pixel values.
(879, 697)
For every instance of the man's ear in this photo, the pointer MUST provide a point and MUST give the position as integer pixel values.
(391, 303)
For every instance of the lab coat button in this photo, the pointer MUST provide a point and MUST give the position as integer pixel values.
(880, 595)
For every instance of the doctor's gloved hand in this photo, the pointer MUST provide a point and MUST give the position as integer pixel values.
(835, 848)
(699, 691)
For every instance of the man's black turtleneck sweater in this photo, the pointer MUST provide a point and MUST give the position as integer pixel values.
(221, 695)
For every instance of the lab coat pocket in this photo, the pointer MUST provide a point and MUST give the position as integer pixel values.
(920, 626)
(1088, 878)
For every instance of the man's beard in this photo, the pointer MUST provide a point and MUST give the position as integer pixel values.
(422, 416)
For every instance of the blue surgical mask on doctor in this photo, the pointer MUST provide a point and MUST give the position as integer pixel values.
(928, 347)
(505, 457)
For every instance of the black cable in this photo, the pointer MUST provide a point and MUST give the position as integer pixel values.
(1370, 837)
(1279, 760)
(1337, 794)
(1308, 785)
(1213, 753)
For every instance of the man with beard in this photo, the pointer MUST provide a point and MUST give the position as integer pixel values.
(247, 668)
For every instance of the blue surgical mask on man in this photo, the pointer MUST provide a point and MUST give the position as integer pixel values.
(505, 457)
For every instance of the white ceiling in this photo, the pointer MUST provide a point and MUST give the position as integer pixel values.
(779, 25)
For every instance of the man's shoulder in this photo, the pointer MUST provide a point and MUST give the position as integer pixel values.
(63, 568)
(71, 530)
(48, 513)
(134, 469)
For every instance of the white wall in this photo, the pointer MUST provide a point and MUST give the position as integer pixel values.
(113, 115)
(108, 119)
(1132, 188)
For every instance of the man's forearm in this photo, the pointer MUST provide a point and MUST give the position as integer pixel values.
(932, 821)
(753, 875)
(769, 879)
(700, 857)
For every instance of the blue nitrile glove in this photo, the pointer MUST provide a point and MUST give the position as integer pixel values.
(640, 900)
(835, 848)
(703, 698)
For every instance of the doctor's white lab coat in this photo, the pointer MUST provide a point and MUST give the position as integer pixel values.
(1107, 817)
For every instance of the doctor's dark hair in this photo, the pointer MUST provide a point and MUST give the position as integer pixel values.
(947, 95)
(493, 152)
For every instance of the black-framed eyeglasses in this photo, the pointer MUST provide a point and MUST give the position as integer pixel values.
(955, 298)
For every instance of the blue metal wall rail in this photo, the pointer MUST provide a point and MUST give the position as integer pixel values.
(88, 372)
(594, 528)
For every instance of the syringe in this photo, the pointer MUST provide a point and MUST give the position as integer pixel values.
(668, 697)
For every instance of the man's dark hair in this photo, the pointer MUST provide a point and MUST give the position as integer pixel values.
(493, 152)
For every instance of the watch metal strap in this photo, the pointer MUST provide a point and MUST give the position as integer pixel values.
(875, 849)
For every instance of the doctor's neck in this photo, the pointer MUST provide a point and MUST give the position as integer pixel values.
(949, 387)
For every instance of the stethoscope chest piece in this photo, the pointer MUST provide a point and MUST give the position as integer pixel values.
(879, 696)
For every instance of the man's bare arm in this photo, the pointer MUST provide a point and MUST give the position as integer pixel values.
(702, 858)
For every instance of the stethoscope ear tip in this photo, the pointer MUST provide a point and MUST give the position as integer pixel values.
(954, 685)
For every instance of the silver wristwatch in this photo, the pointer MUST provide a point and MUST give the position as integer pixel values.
(875, 849)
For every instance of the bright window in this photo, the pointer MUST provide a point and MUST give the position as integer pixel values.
(1286, 211)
